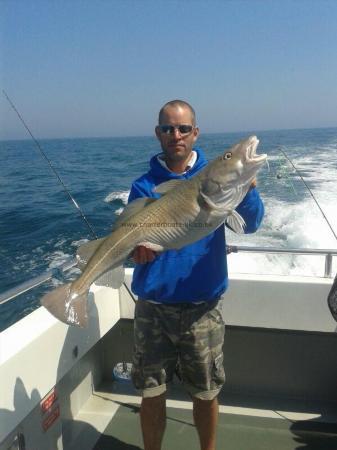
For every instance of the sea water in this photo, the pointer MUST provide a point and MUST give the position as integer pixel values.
(40, 228)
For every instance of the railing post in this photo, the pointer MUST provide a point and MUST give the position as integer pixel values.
(328, 265)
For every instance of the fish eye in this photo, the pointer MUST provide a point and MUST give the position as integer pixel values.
(227, 155)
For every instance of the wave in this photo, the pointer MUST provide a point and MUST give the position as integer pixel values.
(121, 196)
(119, 211)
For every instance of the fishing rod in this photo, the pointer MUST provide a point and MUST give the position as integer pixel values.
(332, 296)
(89, 226)
(52, 167)
(310, 191)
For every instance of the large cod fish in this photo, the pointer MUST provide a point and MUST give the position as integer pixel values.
(187, 211)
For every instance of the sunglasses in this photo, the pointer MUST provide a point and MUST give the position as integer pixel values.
(169, 129)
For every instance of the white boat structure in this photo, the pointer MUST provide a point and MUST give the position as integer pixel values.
(58, 392)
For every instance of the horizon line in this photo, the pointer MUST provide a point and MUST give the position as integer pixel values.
(153, 136)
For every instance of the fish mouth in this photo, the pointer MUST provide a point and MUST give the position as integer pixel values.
(251, 155)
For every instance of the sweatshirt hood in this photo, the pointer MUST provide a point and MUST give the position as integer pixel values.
(160, 172)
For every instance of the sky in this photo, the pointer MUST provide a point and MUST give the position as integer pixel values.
(99, 68)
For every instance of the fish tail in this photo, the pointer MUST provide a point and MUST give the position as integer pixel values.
(67, 306)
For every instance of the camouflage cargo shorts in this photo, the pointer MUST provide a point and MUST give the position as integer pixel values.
(187, 336)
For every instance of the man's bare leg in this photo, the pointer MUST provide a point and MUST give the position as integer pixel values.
(153, 421)
(205, 413)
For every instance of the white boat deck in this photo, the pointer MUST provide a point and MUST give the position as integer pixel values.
(281, 369)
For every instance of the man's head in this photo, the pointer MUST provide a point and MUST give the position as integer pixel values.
(176, 104)
(177, 132)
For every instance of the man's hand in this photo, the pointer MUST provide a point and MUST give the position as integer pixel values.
(143, 255)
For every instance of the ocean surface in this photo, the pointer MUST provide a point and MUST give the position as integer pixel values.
(40, 228)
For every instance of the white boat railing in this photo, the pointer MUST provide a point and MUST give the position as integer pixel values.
(327, 253)
(12, 293)
(58, 272)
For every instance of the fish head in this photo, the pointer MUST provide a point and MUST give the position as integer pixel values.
(233, 171)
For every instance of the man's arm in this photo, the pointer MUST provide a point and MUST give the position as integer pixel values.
(137, 191)
(251, 209)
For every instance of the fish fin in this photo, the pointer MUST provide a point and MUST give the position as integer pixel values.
(85, 252)
(206, 203)
(133, 208)
(112, 278)
(165, 187)
(155, 247)
(68, 307)
(332, 299)
(236, 222)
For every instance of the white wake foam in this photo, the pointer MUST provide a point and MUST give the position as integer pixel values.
(298, 224)
(57, 258)
(117, 195)
(119, 211)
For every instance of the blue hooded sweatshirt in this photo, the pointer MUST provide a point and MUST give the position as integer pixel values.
(196, 272)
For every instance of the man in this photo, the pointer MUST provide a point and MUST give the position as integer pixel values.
(177, 322)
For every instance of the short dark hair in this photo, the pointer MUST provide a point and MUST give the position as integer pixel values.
(173, 103)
